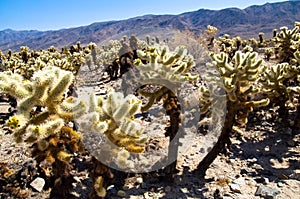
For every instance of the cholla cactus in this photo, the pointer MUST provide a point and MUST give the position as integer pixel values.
(28, 61)
(294, 90)
(168, 68)
(230, 45)
(46, 128)
(287, 43)
(114, 117)
(210, 33)
(212, 105)
(238, 79)
(276, 80)
(261, 40)
(157, 65)
(268, 53)
(45, 89)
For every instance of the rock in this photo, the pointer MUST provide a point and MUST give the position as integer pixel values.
(231, 161)
(111, 189)
(184, 190)
(252, 160)
(235, 188)
(239, 181)
(257, 167)
(280, 184)
(139, 180)
(38, 184)
(266, 124)
(295, 175)
(266, 192)
(121, 193)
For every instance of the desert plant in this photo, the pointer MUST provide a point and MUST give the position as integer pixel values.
(268, 53)
(276, 81)
(51, 140)
(113, 118)
(287, 42)
(261, 39)
(239, 78)
(167, 69)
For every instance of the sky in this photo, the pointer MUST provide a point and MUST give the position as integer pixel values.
(58, 14)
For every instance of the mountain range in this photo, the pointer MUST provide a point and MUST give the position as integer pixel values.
(245, 23)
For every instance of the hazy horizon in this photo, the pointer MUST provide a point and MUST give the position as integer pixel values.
(55, 14)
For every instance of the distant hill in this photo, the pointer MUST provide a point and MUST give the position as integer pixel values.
(242, 22)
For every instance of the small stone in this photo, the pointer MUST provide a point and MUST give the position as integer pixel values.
(265, 124)
(38, 184)
(235, 188)
(252, 160)
(139, 180)
(231, 161)
(279, 184)
(295, 175)
(227, 197)
(266, 192)
(239, 181)
(257, 167)
(266, 181)
(121, 193)
(111, 189)
(184, 190)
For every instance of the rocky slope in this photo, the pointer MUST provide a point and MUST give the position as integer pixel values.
(243, 22)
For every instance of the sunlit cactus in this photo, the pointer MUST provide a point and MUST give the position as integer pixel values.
(287, 43)
(268, 53)
(167, 69)
(165, 66)
(277, 81)
(28, 61)
(45, 128)
(114, 117)
(238, 78)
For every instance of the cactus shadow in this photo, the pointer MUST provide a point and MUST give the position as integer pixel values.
(271, 151)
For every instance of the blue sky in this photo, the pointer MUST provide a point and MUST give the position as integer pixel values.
(58, 14)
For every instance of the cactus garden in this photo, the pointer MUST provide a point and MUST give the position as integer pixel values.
(151, 118)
